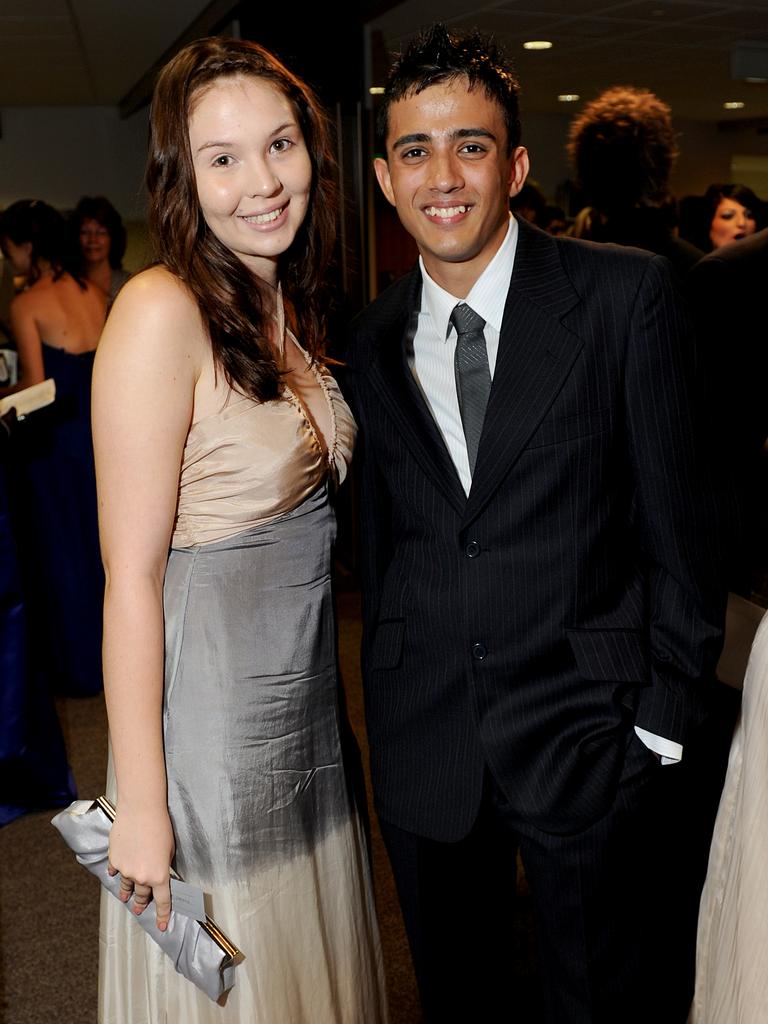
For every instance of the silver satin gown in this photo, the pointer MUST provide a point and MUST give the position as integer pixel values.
(262, 811)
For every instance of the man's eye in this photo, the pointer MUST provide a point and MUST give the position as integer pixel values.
(411, 154)
(473, 147)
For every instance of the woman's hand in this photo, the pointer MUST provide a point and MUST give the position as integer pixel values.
(141, 849)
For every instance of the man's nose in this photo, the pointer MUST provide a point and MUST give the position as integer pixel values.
(446, 173)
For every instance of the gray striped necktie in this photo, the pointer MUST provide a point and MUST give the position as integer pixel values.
(473, 376)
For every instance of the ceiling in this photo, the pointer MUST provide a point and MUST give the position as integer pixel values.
(680, 49)
(75, 52)
(82, 52)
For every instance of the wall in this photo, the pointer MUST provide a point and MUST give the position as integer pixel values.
(707, 155)
(61, 153)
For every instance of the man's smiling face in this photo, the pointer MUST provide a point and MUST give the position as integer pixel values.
(449, 174)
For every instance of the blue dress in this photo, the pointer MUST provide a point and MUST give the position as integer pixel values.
(33, 764)
(61, 563)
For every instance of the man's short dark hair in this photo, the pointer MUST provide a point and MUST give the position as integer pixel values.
(437, 56)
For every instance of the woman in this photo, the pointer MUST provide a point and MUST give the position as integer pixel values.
(733, 212)
(56, 323)
(101, 239)
(219, 434)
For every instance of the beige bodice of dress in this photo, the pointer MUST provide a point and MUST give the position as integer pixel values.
(252, 462)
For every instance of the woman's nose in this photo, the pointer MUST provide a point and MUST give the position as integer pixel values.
(263, 182)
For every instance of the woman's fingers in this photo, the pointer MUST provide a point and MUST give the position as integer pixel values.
(142, 894)
(162, 896)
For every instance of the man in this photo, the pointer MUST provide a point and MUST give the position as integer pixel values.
(541, 597)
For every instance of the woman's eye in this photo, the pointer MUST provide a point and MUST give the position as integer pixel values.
(222, 161)
(280, 145)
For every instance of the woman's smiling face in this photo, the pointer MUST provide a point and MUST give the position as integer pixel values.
(252, 169)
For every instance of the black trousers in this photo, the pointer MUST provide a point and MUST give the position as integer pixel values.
(615, 906)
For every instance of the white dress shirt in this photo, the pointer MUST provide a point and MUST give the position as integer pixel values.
(434, 344)
(432, 364)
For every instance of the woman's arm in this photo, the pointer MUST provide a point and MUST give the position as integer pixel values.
(145, 372)
(28, 344)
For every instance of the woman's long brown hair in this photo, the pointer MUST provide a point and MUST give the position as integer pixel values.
(226, 292)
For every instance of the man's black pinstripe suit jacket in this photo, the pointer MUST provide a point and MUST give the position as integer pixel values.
(576, 591)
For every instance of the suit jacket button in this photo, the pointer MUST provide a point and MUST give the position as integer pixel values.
(479, 651)
(472, 549)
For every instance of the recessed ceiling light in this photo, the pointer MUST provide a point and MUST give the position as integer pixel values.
(376, 90)
(537, 44)
(733, 105)
(756, 81)
(568, 97)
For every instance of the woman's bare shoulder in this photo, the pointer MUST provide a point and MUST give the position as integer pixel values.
(29, 299)
(155, 305)
(158, 287)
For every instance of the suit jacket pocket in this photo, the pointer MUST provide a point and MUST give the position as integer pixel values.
(387, 646)
(610, 655)
(559, 429)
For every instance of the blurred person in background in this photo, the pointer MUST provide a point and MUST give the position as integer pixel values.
(734, 212)
(724, 214)
(101, 239)
(529, 203)
(56, 322)
(553, 220)
(623, 147)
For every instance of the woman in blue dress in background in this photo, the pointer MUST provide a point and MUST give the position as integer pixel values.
(56, 323)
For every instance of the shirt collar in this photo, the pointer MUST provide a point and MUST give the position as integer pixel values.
(488, 295)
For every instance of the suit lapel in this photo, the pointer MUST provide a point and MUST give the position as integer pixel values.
(536, 354)
(392, 379)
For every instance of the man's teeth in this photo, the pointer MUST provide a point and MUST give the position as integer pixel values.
(445, 211)
(265, 218)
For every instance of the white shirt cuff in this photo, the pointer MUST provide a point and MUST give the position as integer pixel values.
(669, 751)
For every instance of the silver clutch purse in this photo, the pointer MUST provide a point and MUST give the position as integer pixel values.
(198, 949)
